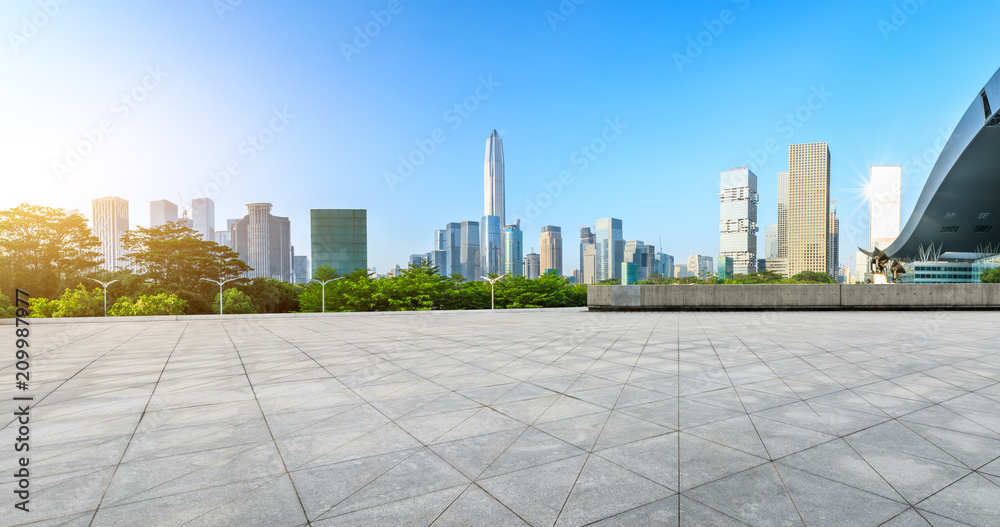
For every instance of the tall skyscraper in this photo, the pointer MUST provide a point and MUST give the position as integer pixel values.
(493, 180)
(440, 240)
(471, 264)
(203, 214)
(453, 241)
(834, 242)
(439, 255)
(109, 222)
(771, 241)
(225, 237)
(699, 266)
(513, 250)
(339, 238)
(782, 215)
(161, 211)
(490, 246)
(738, 219)
(883, 205)
(586, 237)
(610, 248)
(590, 263)
(300, 266)
(642, 255)
(551, 249)
(665, 265)
(809, 209)
(532, 266)
(264, 243)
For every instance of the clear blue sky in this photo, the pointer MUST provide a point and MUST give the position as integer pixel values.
(892, 86)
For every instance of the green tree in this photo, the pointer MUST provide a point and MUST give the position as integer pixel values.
(175, 259)
(7, 308)
(990, 276)
(236, 302)
(269, 295)
(77, 302)
(148, 305)
(41, 248)
(811, 277)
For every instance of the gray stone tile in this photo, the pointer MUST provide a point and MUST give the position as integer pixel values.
(782, 439)
(274, 503)
(755, 496)
(536, 494)
(821, 501)
(702, 461)
(974, 500)
(662, 512)
(913, 477)
(736, 432)
(604, 489)
(690, 512)
(621, 428)
(322, 488)
(566, 407)
(472, 455)
(655, 458)
(484, 421)
(476, 508)
(837, 461)
(531, 449)
(908, 518)
(419, 511)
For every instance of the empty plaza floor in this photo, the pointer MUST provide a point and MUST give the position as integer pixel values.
(544, 417)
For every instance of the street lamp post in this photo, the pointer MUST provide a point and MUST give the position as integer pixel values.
(221, 283)
(105, 286)
(324, 282)
(492, 282)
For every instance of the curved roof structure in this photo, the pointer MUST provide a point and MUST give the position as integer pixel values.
(959, 208)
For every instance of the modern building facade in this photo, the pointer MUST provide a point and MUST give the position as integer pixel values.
(109, 223)
(493, 182)
(665, 265)
(629, 273)
(782, 215)
(203, 214)
(884, 193)
(264, 243)
(550, 249)
(699, 265)
(300, 267)
(586, 238)
(771, 241)
(726, 269)
(808, 223)
(532, 266)
(834, 239)
(469, 253)
(590, 263)
(453, 246)
(642, 255)
(610, 248)
(339, 238)
(161, 211)
(491, 246)
(738, 218)
(513, 249)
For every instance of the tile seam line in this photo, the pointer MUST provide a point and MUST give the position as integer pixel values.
(134, 430)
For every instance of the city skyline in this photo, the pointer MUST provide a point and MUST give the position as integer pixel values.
(207, 117)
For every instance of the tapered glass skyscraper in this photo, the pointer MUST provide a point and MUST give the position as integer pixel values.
(493, 184)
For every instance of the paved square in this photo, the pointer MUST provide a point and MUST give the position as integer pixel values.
(554, 417)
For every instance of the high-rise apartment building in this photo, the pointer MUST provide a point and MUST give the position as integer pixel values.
(809, 209)
(453, 246)
(883, 205)
(586, 238)
(339, 238)
(469, 257)
(610, 248)
(203, 214)
(699, 265)
(738, 219)
(551, 249)
(491, 246)
(109, 223)
(782, 215)
(771, 241)
(532, 266)
(513, 250)
(161, 211)
(264, 243)
(493, 183)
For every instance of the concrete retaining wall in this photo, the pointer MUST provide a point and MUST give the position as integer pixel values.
(792, 297)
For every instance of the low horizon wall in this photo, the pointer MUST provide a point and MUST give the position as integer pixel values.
(792, 297)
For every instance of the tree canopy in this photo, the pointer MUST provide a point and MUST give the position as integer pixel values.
(43, 248)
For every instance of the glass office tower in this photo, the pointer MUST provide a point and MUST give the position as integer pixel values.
(808, 223)
(738, 219)
(513, 250)
(550, 249)
(339, 239)
(610, 250)
(491, 246)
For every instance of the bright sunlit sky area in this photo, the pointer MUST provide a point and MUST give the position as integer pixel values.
(314, 104)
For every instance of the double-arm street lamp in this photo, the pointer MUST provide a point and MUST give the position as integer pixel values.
(221, 283)
(492, 282)
(105, 286)
(324, 282)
